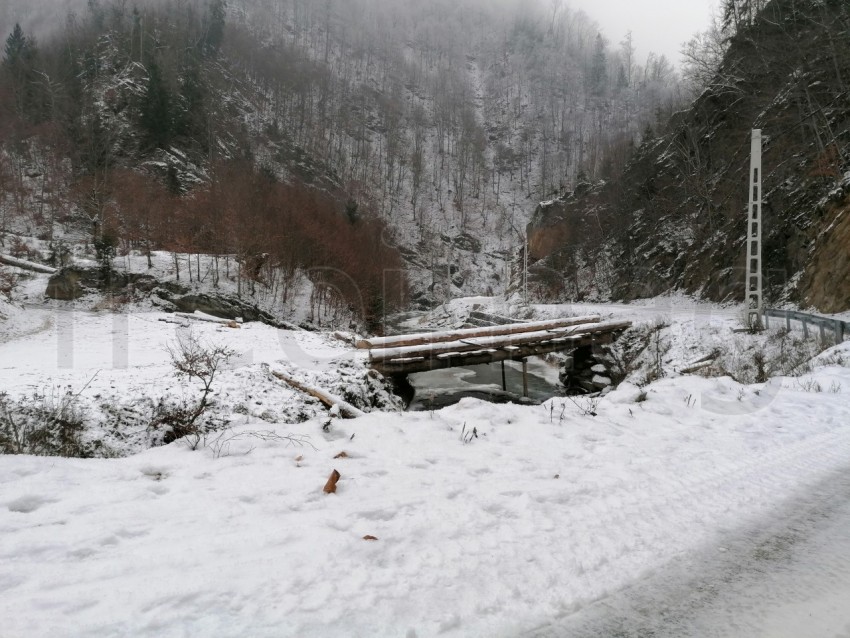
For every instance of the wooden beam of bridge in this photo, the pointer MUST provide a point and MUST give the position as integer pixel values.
(475, 354)
(425, 338)
(493, 342)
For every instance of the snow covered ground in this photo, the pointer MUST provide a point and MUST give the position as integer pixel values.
(489, 520)
(119, 365)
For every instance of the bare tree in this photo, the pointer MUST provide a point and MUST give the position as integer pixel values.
(195, 360)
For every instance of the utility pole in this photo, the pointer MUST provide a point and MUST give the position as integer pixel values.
(753, 290)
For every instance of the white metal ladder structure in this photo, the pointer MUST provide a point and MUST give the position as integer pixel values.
(753, 298)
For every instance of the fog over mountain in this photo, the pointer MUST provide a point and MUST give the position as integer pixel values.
(661, 26)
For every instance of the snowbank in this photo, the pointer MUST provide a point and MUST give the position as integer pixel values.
(489, 519)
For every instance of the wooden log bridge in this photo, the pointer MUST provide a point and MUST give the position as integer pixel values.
(408, 354)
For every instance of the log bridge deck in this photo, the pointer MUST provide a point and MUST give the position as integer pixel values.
(408, 354)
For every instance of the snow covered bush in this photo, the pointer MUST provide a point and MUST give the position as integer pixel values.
(756, 358)
(43, 425)
(638, 355)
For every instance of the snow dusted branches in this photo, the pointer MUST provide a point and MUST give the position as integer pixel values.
(193, 359)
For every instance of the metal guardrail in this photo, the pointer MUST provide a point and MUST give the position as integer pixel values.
(839, 328)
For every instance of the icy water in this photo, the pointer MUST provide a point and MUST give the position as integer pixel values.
(440, 388)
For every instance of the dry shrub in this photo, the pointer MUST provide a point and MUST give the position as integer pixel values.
(42, 424)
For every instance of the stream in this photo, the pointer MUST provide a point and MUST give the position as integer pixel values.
(440, 388)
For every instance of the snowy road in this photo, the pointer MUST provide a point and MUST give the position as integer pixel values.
(787, 577)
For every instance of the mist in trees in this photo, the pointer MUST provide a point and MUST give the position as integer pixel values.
(433, 119)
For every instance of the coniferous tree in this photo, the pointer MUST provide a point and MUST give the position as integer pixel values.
(19, 61)
(191, 120)
(156, 108)
(214, 32)
(598, 67)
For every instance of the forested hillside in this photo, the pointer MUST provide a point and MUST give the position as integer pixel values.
(424, 132)
(676, 219)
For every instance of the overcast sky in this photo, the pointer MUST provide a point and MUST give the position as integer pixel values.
(656, 25)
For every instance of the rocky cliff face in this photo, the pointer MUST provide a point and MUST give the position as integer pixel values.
(825, 282)
(676, 218)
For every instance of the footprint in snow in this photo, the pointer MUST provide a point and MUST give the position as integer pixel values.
(159, 490)
(155, 473)
(27, 504)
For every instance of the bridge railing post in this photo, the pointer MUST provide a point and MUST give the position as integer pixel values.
(525, 378)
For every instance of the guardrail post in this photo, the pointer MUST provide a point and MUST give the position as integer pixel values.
(837, 331)
(766, 321)
(805, 328)
(787, 321)
(822, 332)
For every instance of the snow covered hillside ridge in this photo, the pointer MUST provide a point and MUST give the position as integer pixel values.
(446, 125)
(676, 218)
(539, 514)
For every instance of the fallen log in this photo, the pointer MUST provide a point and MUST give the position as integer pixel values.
(184, 324)
(26, 265)
(347, 410)
(200, 316)
(698, 364)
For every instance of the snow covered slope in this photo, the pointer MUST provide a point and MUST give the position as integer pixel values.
(490, 520)
(119, 367)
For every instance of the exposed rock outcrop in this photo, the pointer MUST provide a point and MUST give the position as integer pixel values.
(222, 306)
(676, 217)
(73, 282)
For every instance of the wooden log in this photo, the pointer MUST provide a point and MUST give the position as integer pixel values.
(199, 316)
(23, 264)
(517, 353)
(185, 324)
(425, 338)
(698, 364)
(495, 341)
(696, 367)
(345, 409)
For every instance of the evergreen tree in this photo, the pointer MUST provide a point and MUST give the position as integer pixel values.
(19, 61)
(17, 47)
(622, 78)
(352, 212)
(156, 108)
(214, 32)
(598, 67)
(192, 118)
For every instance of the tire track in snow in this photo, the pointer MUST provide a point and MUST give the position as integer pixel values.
(664, 602)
